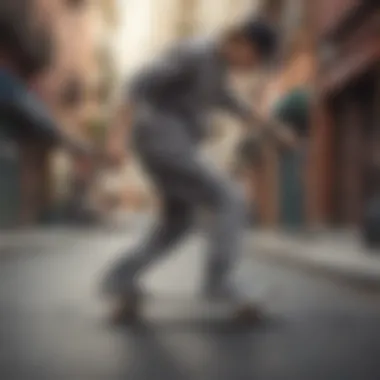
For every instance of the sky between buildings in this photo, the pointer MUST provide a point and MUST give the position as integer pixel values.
(146, 26)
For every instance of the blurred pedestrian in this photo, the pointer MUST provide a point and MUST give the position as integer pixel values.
(171, 98)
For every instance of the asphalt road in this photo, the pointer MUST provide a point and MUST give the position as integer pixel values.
(52, 322)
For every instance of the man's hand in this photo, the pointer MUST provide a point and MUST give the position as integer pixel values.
(284, 135)
(274, 129)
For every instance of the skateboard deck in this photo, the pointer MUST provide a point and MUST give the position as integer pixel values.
(186, 307)
(188, 312)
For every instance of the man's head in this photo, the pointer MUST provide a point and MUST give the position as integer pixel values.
(250, 45)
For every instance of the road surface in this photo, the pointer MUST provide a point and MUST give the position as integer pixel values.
(52, 324)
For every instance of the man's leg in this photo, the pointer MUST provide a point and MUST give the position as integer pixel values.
(174, 221)
(199, 184)
(226, 245)
(193, 179)
(226, 237)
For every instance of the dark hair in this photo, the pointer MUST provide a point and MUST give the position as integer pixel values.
(262, 36)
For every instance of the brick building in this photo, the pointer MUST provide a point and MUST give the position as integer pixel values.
(69, 87)
(337, 56)
(26, 50)
(347, 120)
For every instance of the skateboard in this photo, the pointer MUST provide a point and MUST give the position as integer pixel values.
(188, 310)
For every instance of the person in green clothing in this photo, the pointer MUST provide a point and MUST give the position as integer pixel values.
(293, 109)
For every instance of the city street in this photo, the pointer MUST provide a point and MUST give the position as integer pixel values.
(112, 109)
(53, 327)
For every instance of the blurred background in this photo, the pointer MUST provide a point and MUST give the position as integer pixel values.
(74, 57)
(315, 211)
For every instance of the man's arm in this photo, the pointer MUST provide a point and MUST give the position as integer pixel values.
(251, 116)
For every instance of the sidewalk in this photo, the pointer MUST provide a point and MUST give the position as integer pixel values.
(335, 254)
(122, 225)
(339, 254)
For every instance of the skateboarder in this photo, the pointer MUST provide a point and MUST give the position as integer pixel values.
(171, 98)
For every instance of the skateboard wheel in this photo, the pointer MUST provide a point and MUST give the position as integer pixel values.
(248, 315)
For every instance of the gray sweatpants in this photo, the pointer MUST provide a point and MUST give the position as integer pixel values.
(185, 183)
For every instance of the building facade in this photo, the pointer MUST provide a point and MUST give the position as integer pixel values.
(346, 123)
(76, 83)
(335, 54)
(26, 51)
(70, 87)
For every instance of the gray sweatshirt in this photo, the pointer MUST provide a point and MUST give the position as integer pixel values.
(188, 81)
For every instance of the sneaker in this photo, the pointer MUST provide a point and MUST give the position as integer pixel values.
(115, 283)
(126, 308)
(245, 312)
(248, 314)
